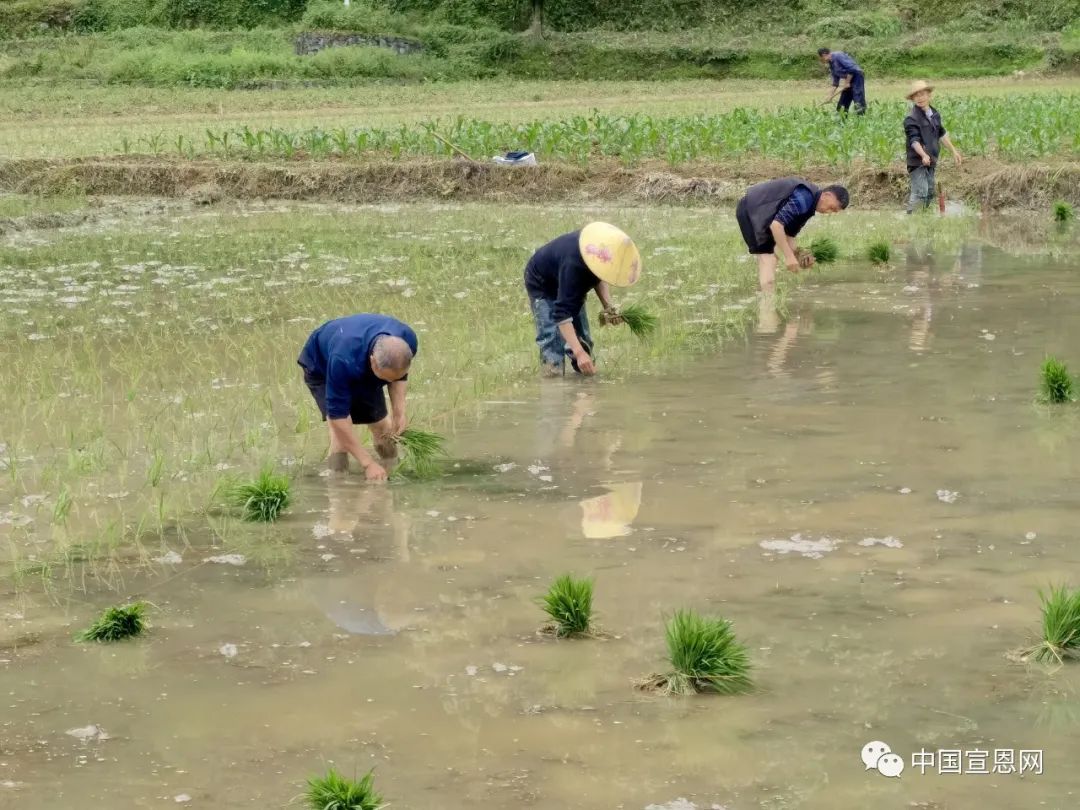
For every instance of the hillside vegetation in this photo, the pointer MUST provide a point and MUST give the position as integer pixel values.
(249, 43)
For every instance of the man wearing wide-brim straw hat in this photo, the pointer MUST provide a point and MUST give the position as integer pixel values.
(925, 133)
(558, 279)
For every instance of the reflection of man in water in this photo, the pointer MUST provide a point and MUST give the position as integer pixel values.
(778, 359)
(357, 602)
(562, 413)
(919, 276)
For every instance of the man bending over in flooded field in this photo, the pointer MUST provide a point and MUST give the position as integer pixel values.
(347, 362)
(772, 214)
(558, 279)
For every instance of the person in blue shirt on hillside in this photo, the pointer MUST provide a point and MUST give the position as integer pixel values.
(347, 363)
(847, 77)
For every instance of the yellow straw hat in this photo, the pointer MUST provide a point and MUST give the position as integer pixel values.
(610, 254)
(918, 87)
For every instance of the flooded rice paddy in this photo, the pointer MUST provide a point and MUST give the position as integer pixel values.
(863, 486)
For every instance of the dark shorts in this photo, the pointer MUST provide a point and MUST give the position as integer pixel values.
(747, 228)
(367, 408)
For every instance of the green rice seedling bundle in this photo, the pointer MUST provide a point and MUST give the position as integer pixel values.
(705, 656)
(569, 604)
(879, 252)
(336, 792)
(825, 250)
(1063, 212)
(1061, 625)
(116, 623)
(420, 451)
(1055, 384)
(642, 323)
(263, 499)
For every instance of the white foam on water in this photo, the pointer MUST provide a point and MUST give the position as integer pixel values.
(812, 549)
(888, 542)
(88, 733)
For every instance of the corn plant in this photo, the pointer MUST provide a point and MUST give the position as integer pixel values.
(1011, 128)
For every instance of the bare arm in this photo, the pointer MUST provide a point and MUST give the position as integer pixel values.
(566, 329)
(806, 259)
(585, 363)
(785, 243)
(603, 292)
(955, 152)
(398, 390)
(345, 438)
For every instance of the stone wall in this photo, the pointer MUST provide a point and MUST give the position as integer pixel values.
(313, 42)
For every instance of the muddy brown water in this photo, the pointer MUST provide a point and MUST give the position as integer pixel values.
(790, 485)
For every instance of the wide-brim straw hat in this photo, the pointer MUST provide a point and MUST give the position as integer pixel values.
(610, 254)
(918, 87)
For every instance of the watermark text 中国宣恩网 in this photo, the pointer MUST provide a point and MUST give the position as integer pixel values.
(878, 756)
(1003, 761)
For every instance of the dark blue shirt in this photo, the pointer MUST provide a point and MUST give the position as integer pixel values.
(556, 272)
(798, 205)
(338, 351)
(842, 65)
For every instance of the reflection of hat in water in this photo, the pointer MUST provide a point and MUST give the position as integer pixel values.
(610, 515)
(610, 254)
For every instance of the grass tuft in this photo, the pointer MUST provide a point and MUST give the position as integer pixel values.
(879, 252)
(116, 623)
(1061, 625)
(642, 323)
(1055, 383)
(336, 792)
(264, 499)
(420, 451)
(825, 250)
(1063, 212)
(705, 656)
(569, 604)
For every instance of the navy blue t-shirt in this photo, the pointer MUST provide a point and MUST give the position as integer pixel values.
(842, 65)
(557, 273)
(338, 351)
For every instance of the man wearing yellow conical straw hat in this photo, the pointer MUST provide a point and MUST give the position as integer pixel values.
(558, 279)
(924, 133)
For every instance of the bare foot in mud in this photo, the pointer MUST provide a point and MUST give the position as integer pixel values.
(338, 462)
